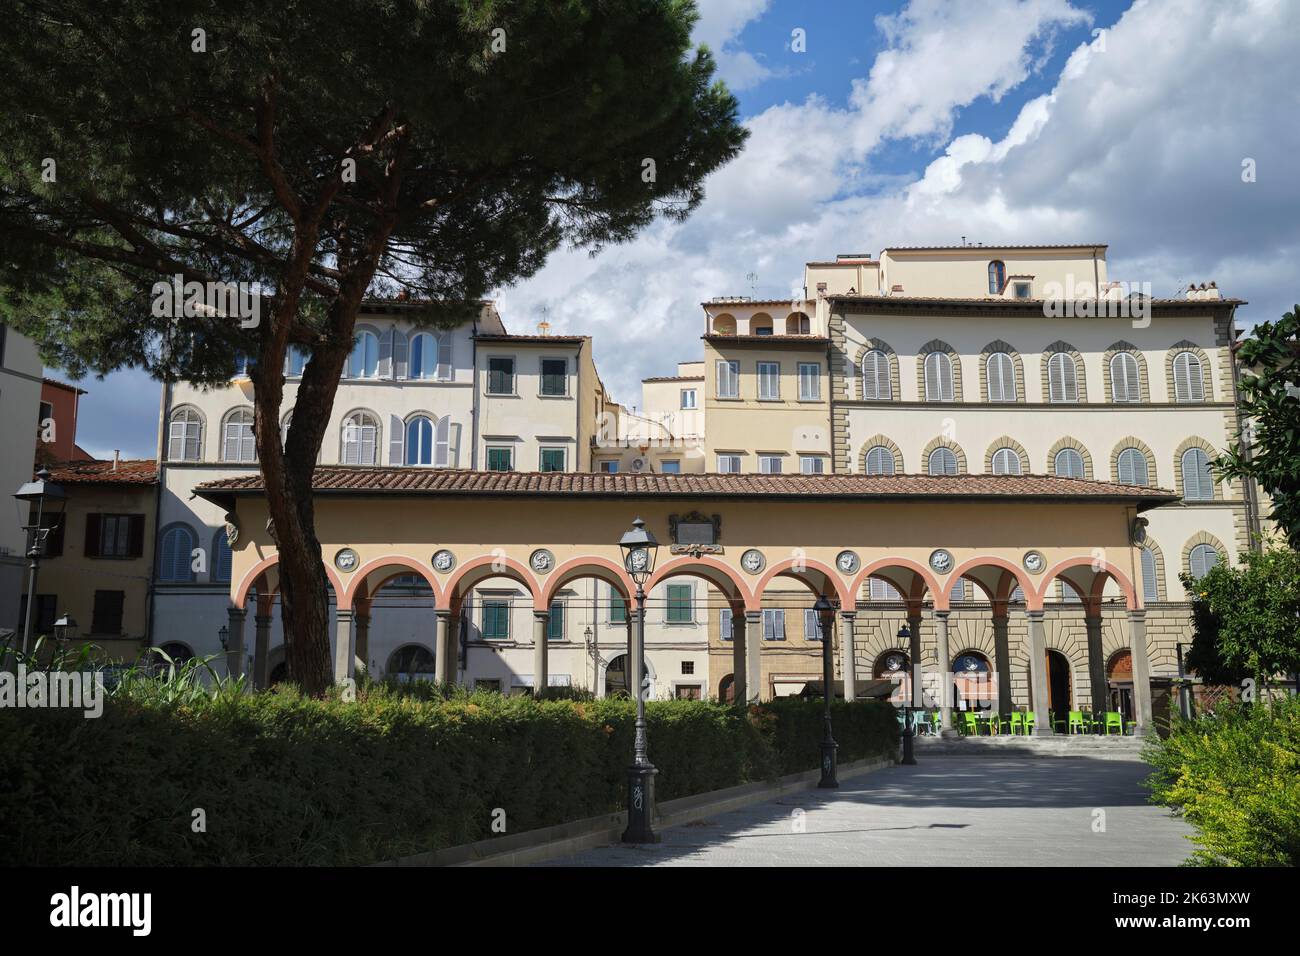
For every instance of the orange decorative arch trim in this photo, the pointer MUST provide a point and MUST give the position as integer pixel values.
(1103, 569)
(360, 575)
(1033, 600)
(600, 568)
(921, 571)
(240, 597)
(689, 565)
(509, 568)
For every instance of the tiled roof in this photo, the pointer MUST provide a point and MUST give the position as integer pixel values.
(675, 378)
(63, 385)
(129, 471)
(427, 481)
(760, 339)
(534, 339)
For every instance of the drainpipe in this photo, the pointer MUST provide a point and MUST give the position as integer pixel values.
(159, 448)
(474, 400)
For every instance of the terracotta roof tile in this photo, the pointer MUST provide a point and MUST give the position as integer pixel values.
(129, 471)
(427, 481)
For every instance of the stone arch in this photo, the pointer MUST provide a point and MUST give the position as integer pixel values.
(723, 324)
(823, 581)
(910, 578)
(1006, 441)
(1089, 586)
(469, 574)
(1203, 445)
(891, 357)
(362, 586)
(1144, 380)
(798, 323)
(998, 579)
(999, 346)
(941, 442)
(937, 345)
(1207, 374)
(264, 571)
(1130, 441)
(881, 441)
(1202, 537)
(761, 320)
(1060, 446)
(1080, 373)
(718, 573)
(603, 569)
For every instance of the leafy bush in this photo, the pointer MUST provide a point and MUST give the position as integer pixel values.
(290, 780)
(1235, 776)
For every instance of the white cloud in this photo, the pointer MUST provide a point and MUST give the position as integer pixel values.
(720, 23)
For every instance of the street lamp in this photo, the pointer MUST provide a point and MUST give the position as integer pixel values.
(639, 551)
(63, 625)
(909, 722)
(38, 492)
(223, 635)
(825, 610)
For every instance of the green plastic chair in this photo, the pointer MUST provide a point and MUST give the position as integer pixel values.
(971, 723)
(1056, 725)
(1017, 724)
(1077, 723)
(1116, 720)
(1030, 719)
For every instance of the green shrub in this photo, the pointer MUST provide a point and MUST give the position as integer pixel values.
(1236, 777)
(289, 780)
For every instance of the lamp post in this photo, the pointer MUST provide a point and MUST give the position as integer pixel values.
(639, 551)
(825, 610)
(63, 626)
(909, 724)
(37, 492)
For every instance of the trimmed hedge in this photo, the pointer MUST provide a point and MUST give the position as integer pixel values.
(1236, 777)
(288, 780)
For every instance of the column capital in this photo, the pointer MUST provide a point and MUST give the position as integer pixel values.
(1138, 615)
(1092, 620)
(541, 615)
(343, 614)
(442, 613)
(237, 613)
(1035, 615)
(942, 615)
(849, 615)
(262, 620)
(753, 615)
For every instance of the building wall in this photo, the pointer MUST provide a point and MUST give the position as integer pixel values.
(20, 396)
(964, 272)
(63, 401)
(528, 421)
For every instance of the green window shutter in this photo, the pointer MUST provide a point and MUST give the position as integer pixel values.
(679, 604)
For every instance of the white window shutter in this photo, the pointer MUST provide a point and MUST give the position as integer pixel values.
(444, 356)
(1150, 586)
(351, 443)
(1189, 386)
(441, 441)
(386, 354)
(453, 447)
(400, 367)
(396, 441)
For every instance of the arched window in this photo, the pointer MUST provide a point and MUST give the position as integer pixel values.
(1150, 582)
(1006, 462)
(1198, 479)
(1189, 385)
(419, 441)
(237, 442)
(1062, 384)
(364, 360)
(878, 589)
(797, 324)
(360, 439)
(1068, 463)
(1125, 380)
(176, 555)
(295, 360)
(938, 377)
(1131, 467)
(411, 663)
(724, 324)
(431, 356)
(760, 324)
(880, 461)
(875, 376)
(1201, 560)
(973, 682)
(222, 557)
(185, 435)
(997, 277)
(942, 461)
(1001, 375)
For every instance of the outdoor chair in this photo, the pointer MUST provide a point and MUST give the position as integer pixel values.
(1114, 719)
(971, 723)
(1017, 724)
(1030, 720)
(1057, 725)
(1078, 725)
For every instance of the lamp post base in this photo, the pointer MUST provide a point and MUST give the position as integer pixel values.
(640, 805)
(828, 780)
(909, 753)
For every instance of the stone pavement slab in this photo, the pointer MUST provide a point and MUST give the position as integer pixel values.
(945, 811)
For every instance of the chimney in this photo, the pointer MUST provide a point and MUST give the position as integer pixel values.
(117, 458)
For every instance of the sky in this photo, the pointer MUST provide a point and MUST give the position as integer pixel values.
(878, 124)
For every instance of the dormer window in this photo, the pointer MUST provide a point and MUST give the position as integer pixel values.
(1022, 290)
(997, 277)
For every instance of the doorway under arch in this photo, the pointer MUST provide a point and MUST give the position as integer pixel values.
(616, 684)
(972, 682)
(895, 665)
(1059, 683)
(727, 689)
(1119, 683)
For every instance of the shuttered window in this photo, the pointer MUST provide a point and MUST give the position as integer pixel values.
(875, 376)
(773, 624)
(222, 557)
(1125, 381)
(1150, 583)
(501, 376)
(881, 590)
(1189, 385)
(1198, 479)
(680, 608)
(360, 439)
(880, 461)
(555, 377)
(185, 432)
(769, 381)
(1006, 462)
(1000, 371)
(1068, 464)
(115, 536)
(942, 461)
(1131, 467)
(1201, 560)
(175, 555)
(810, 382)
(237, 442)
(938, 377)
(107, 614)
(812, 629)
(728, 379)
(726, 630)
(1062, 385)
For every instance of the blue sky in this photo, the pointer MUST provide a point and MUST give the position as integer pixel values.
(921, 122)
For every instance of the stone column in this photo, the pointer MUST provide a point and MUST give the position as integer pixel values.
(262, 651)
(754, 689)
(1096, 664)
(1002, 651)
(540, 621)
(1038, 675)
(235, 642)
(945, 673)
(1137, 639)
(361, 622)
(344, 646)
(738, 651)
(914, 652)
(848, 667)
(442, 653)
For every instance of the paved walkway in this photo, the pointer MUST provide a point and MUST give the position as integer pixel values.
(947, 810)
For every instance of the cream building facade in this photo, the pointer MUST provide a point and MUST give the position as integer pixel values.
(20, 398)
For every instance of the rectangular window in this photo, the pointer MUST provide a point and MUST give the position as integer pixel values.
(769, 381)
(670, 467)
(812, 465)
(688, 398)
(609, 467)
(810, 382)
(488, 683)
(555, 623)
(726, 630)
(617, 608)
(46, 414)
(552, 459)
(773, 624)
(769, 464)
(52, 525)
(496, 620)
(728, 464)
(812, 630)
(45, 615)
(500, 459)
(1022, 290)
(555, 376)
(107, 618)
(501, 376)
(728, 379)
(679, 604)
(114, 536)
(688, 667)
(687, 692)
